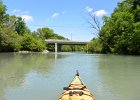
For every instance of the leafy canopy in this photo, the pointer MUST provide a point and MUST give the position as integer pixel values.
(121, 29)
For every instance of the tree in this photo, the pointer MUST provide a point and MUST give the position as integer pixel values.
(95, 46)
(2, 13)
(9, 40)
(121, 29)
(20, 26)
(15, 35)
(135, 4)
(48, 33)
(94, 23)
(31, 43)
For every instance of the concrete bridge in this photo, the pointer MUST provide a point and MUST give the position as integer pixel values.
(65, 42)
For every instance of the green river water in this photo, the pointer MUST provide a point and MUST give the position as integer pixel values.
(38, 76)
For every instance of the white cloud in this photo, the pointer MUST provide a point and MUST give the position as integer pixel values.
(88, 9)
(55, 15)
(23, 14)
(27, 18)
(100, 13)
(16, 11)
(19, 12)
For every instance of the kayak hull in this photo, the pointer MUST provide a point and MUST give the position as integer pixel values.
(76, 90)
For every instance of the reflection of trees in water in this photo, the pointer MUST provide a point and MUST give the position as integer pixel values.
(120, 75)
(38, 62)
(14, 67)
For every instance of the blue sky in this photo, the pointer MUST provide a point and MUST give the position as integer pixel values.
(65, 17)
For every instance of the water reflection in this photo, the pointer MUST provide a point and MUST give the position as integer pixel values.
(39, 76)
(120, 77)
(14, 68)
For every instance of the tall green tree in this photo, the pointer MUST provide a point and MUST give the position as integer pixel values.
(20, 26)
(9, 40)
(121, 29)
(2, 13)
(48, 33)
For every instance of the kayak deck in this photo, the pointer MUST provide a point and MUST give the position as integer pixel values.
(76, 91)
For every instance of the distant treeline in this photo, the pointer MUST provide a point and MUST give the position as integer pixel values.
(121, 31)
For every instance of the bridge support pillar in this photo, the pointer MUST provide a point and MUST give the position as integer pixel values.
(56, 47)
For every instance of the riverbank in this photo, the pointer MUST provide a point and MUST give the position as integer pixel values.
(44, 51)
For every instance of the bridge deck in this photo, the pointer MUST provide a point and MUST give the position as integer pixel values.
(66, 42)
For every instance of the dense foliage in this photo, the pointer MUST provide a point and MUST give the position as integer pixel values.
(9, 40)
(48, 33)
(73, 48)
(121, 31)
(15, 35)
(95, 46)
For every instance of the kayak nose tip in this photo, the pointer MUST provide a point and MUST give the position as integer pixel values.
(77, 73)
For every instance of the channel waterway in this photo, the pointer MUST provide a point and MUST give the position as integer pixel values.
(37, 76)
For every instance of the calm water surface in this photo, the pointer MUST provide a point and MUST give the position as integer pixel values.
(42, 76)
